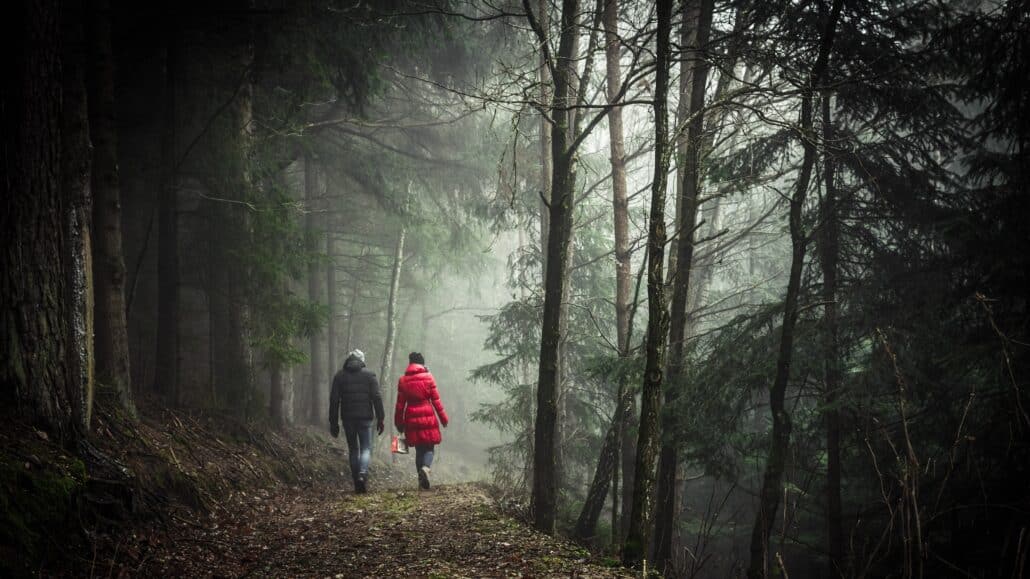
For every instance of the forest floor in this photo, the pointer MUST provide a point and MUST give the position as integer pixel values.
(201, 494)
(448, 531)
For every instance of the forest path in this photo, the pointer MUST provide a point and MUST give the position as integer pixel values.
(448, 531)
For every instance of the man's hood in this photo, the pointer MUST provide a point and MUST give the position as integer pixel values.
(353, 363)
(415, 369)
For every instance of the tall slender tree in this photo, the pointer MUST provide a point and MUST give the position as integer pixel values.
(649, 438)
(608, 456)
(111, 338)
(560, 207)
(386, 367)
(829, 258)
(166, 372)
(769, 495)
(697, 23)
(233, 369)
(313, 233)
(332, 291)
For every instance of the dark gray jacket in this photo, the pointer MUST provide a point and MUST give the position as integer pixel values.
(355, 394)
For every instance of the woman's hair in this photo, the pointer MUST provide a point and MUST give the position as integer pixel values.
(416, 358)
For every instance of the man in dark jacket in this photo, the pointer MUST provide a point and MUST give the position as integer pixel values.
(354, 399)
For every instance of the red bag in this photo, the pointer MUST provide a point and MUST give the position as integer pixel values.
(398, 445)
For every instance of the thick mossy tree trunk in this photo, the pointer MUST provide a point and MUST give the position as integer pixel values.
(44, 287)
(829, 257)
(608, 457)
(649, 438)
(697, 23)
(111, 338)
(772, 478)
(560, 208)
(166, 375)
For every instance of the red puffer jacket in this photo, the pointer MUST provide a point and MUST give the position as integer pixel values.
(416, 399)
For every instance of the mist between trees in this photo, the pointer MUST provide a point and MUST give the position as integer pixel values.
(719, 288)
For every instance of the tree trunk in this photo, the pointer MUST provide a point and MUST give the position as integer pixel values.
(111, 337)
(546, 140)
(330, 298)
(311, 224)
(698, 16)
(563, 180)
(166, 376)
(275, 402)
(607, 459)
(350, 313)
(76, 169)
(233, 368)
(289, 393)
(546, 170)
(38, 373)
(616, 537)
(628, 452)
(603, 474)
(769, 496)
(648, 440)
(829, 251)
(391, 310)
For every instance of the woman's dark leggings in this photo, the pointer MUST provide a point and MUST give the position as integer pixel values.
(424, 455)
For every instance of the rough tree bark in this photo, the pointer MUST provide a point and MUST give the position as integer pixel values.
(42, 152)
(769, 495)
(166, 376)
(648, 439)
(697, 22)
(829, 251)
(560, 208)
(76, 169)
(111, 337)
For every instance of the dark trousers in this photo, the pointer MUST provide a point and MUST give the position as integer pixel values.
(424, 455)
(359, 445)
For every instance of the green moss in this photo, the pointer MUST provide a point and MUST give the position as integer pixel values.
(388, 506)
(35, 503)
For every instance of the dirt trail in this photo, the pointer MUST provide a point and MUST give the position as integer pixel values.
(449, 531)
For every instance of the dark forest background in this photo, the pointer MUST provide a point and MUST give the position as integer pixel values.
(730, 287)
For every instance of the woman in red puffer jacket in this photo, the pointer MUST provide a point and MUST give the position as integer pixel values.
(418, 405)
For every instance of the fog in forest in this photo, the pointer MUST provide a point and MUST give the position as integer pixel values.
(683, 288)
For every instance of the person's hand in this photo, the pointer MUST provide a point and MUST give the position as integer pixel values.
(380, 427)
(400, 428)
(335, 430)
(444, 424)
